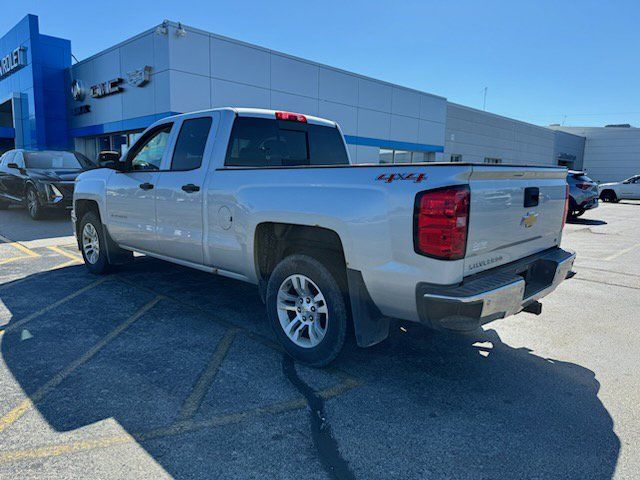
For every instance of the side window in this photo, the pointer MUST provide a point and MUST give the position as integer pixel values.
(147, 155)
(253, 143)
(190, 144)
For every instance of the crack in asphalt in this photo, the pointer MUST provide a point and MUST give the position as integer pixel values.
(326, 445)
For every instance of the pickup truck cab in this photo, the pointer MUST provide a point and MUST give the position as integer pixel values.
(271, 198)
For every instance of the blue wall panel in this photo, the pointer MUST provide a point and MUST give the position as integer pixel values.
(40, 85)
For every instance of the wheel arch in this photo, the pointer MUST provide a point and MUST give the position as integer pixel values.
(274, 241)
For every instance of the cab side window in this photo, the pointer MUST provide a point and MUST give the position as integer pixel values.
(190, 144)
(148, 153)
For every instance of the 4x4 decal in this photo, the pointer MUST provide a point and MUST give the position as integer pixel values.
(390, 177)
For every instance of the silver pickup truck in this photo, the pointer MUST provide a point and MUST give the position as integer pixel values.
(271, 198)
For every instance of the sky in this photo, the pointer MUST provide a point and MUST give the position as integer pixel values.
(567, 62)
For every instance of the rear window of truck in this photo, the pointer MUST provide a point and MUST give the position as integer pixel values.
(262, 142)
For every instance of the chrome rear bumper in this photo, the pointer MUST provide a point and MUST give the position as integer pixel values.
(495, 293)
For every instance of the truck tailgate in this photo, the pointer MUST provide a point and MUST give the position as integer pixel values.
(514, 212)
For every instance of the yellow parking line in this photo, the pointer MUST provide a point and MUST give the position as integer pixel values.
(19, 246)
(192, 404)
(180, 427)
(22, 408)
(13, 259)
(28, 318)
(66, 254)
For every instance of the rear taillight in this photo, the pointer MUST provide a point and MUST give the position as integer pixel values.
(292, 117)
(583, 186)
(441, 221)
(566, 205)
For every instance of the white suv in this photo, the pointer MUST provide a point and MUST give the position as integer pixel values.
(628, 189)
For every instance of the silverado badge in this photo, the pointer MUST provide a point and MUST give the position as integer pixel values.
(529, 220)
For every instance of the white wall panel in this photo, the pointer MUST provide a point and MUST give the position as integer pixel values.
(161, 86)
(346, 116)
(240, 63)
(431, 133)
(136, 54)
(232, 94)
(106, 67)
(189, 92)
(406, 102)
(433, 108)
(404, 129)
(373, 124)
(374, 95)
(338, 87)
(189, 53)
(294, 76)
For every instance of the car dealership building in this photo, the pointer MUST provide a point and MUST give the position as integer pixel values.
(105, 101)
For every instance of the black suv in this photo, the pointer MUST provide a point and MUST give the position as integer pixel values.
(40, 180)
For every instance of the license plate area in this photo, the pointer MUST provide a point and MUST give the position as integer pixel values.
(538, 276)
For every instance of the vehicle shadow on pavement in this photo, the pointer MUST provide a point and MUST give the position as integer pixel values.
(585, 221)
(126, 366)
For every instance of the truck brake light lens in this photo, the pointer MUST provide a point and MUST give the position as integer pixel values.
(441, 221)
(566, 206)
(292, 117)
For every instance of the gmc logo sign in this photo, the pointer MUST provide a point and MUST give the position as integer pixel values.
(411, 177)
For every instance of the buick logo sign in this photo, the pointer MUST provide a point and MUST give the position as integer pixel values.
(139, 77)
(77, 90)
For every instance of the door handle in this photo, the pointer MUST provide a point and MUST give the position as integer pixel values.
(190, 188)
(146, 186)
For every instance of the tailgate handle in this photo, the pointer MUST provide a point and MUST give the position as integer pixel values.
(531, 197)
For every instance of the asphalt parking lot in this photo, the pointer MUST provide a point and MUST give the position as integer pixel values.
(159, 371)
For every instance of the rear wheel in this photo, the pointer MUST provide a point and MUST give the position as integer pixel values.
(92, 244)
(36, 211)
(307, 311)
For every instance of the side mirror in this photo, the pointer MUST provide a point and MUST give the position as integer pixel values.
(107, 164)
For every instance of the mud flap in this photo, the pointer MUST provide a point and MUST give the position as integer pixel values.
(370, 325)
(115, 254)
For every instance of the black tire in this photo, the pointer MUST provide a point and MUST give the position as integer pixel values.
(4, 205)
(609, 196)
(100, 265)
(34, 207)
(336, 323)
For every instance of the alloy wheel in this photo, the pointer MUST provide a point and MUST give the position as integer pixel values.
(90, 243)
(302, 311)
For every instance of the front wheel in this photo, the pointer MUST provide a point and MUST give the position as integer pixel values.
(307, 310)
(36, 211)
(92, 244)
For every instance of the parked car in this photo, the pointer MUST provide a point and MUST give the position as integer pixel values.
(628, 189)
(271, 198)
(40, 180)
(583, 193)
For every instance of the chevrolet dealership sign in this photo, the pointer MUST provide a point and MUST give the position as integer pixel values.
(13, 61)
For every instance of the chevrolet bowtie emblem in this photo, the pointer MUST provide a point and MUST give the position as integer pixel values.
(529, 220)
